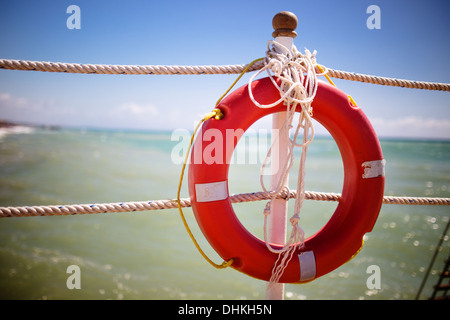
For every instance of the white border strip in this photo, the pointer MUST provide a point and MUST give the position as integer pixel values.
(373, 169)
(213, 191)
(307, 265)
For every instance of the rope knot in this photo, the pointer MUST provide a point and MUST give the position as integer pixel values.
(295, 219)
(218, 114)
(266, 211)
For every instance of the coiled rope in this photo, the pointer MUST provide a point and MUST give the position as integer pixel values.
(298, 86)
(201, 70)
(78, 209)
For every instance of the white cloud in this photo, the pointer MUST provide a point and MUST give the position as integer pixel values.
(7, 100)
(135, 109)
(133, 115)
(412, 126)
(38, 111)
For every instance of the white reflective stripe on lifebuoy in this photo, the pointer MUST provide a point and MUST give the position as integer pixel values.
(212, 191)
(307, 265)
(373, 169)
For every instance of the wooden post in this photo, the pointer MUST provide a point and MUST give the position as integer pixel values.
(284, 24)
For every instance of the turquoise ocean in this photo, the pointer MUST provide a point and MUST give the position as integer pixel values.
(149, 255)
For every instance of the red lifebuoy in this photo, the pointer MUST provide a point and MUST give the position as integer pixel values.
(341, 238)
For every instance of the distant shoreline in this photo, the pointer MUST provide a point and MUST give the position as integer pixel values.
(5, 124)
(11, 126)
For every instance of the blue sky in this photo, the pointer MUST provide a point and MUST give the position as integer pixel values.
(413, 43)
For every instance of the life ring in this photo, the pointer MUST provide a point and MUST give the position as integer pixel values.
(342, 236)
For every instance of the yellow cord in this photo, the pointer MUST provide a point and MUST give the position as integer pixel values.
(218, 115)
(332, 83)
(237, 79)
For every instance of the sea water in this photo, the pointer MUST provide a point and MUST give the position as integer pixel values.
(149, 255)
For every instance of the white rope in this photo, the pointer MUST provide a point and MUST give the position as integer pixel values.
(138, 206)
(44, 66)
(297, 87)
(123, 69)
(385, 81)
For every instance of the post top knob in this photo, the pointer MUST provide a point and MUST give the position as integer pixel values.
(284, 24)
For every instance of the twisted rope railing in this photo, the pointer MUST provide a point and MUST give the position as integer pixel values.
(199, 70)
(58, 210)
(195, 70)
(123, 69)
